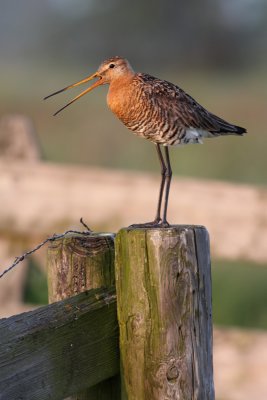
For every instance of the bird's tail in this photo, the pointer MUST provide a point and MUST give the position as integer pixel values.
(239, 130)
(228, 129)
(236, 130)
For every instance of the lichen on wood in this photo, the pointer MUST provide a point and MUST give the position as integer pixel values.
(164, 308)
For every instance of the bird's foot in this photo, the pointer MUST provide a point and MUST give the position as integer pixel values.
(165, 224)
(157, 223)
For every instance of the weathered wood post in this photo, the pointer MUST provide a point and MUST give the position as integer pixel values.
(163, 282)
(77, 263)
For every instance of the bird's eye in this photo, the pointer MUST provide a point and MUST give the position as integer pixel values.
(111, 65)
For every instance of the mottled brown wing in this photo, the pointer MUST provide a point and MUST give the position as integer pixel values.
(183, 109)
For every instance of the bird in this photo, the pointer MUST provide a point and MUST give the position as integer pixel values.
(158, 111)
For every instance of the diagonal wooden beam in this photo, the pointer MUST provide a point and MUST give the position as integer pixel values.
(59, 349)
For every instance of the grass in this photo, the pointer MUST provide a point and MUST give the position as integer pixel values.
(35, 290)
(239, 294)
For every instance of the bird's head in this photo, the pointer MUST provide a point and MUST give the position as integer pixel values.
(108, 71)
(114, 68)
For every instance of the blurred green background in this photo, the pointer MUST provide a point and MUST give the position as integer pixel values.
(213, 49)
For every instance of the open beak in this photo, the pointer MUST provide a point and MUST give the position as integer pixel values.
(89, 78)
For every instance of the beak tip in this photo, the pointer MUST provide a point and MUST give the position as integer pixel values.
(73, 85)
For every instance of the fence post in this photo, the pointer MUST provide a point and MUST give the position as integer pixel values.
(163, 283)
(77, 263)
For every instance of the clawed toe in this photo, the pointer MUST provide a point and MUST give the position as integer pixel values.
(165, 224)
(153, 224)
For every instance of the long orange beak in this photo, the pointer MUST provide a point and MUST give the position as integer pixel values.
(89, 78)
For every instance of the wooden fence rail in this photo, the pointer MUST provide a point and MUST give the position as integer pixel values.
(53, 197)
(59, 349)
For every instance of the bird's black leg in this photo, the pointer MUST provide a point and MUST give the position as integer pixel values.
(168, 176)
(162, 184)
(157, 221)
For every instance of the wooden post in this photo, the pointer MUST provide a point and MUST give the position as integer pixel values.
(77, 263)
(163, 283)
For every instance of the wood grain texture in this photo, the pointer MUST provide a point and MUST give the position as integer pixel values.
(80, 262)
(164, 308)
(44, 353)
(77, 263)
